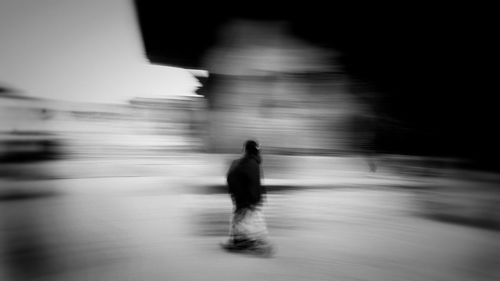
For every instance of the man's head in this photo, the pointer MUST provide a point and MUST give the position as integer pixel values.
(252, 147)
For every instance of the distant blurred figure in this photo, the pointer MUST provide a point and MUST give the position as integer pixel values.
(363, 138)
(248, 231)
(364, 122)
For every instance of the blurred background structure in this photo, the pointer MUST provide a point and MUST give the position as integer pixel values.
(264, 83)
(118, 120)
(419, 80)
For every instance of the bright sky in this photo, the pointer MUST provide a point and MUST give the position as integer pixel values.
(81, 50)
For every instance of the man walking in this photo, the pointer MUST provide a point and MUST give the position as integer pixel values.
(248, 231)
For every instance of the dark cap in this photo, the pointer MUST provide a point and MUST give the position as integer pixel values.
(251, 147)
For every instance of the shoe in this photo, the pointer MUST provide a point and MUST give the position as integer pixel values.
(227, 246)
(264, 250)
(258, 248)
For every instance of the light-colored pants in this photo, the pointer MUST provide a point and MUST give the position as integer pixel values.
(248, 224)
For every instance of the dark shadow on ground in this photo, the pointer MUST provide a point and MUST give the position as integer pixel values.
(17, 195)
(222, 189)
(482, 223)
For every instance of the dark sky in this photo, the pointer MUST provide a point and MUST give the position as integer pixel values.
(425, 62)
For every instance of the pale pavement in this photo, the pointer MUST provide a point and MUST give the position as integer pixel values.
(152, 220)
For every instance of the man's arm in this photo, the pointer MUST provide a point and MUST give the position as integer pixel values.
(254, 183)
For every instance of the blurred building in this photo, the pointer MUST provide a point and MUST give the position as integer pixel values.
(41, 129)
(180, 121)
(25, 128)
(269, 85)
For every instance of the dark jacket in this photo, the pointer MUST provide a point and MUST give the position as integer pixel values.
(243, 179)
